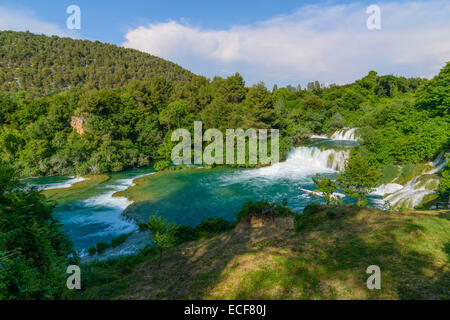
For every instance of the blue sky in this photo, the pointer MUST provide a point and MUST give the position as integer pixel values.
(273, 41)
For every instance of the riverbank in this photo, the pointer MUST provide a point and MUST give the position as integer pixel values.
(65, 195)
(273, 261)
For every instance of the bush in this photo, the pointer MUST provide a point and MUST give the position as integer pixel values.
(205, 230)
(34, 251)
(92, 251)
(120, 239)
(256, 208)
(102, 246)
(161, 165)
(185, 234)
(214, 226)
(313, 216)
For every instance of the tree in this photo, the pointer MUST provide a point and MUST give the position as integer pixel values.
(358, 179)
(173, 114)
(444, 186)
(33, 249)
(434, 95)
(162, 234)
(326, 188)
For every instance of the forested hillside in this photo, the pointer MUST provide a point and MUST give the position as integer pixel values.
(90, 129)
(46, 65)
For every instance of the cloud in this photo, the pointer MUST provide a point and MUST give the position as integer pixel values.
(329, 43)
(25, 20)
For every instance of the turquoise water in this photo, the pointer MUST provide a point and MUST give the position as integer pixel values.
(189, 196)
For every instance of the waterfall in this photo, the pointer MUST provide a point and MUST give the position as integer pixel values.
(60, 185)
(320, 159)
(348, 134)
(411, 194)
(302, 162)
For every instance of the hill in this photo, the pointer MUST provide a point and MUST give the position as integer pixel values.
(326, 260)
(52, 64)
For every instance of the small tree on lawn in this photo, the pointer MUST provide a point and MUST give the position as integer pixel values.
(162, 234)
(358, 179)
(326, 188)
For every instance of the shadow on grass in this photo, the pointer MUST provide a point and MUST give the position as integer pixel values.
(331, 263)
(326, 262)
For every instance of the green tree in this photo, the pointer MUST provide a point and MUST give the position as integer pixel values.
(444, 186)
(162, 234)
(434, 95)
(33, 248)
(358, 179)
(327, 189)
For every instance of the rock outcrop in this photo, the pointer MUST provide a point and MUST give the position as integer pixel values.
(77, 123)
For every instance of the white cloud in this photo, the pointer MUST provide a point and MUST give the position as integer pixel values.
(329, 43)
(25, 20)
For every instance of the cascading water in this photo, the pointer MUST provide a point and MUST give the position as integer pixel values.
(345, 134)
(304, 161)
(314, 158)
(58, 183)
(411, 194)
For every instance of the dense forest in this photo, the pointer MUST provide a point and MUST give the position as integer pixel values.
(44, 65)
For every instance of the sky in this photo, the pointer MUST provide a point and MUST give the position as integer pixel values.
(282, 42)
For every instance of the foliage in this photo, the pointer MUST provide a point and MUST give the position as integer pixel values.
(117, 241)
(102, 246)
(92, 251)
(161, 165)
(327, 189)
(434, 95)
(444, 186)
(358, 179)
(162, 234)
(205, 230)
(263, 208)
(51, 64)
(33, 249)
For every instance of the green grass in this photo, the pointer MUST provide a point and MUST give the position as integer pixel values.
(326, 260)
(66, 195)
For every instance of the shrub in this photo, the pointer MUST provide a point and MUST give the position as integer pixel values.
(161, 165)
(256, 208)
(313, 216)
(205, 230)
(92, 251)
(214, 226)
(119, 240)
(102, 246)
(185, 234)
(33, 248)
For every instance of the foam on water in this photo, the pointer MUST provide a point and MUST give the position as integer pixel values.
(387, 188)
(413, 192)
(305, 161)
(345, 134)
(60, 185)
(99, 218)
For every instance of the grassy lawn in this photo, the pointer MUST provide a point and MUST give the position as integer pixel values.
(327, 261)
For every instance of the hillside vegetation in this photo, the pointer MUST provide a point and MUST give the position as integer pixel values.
(326, 259)
(46, 65)
(119, 107)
